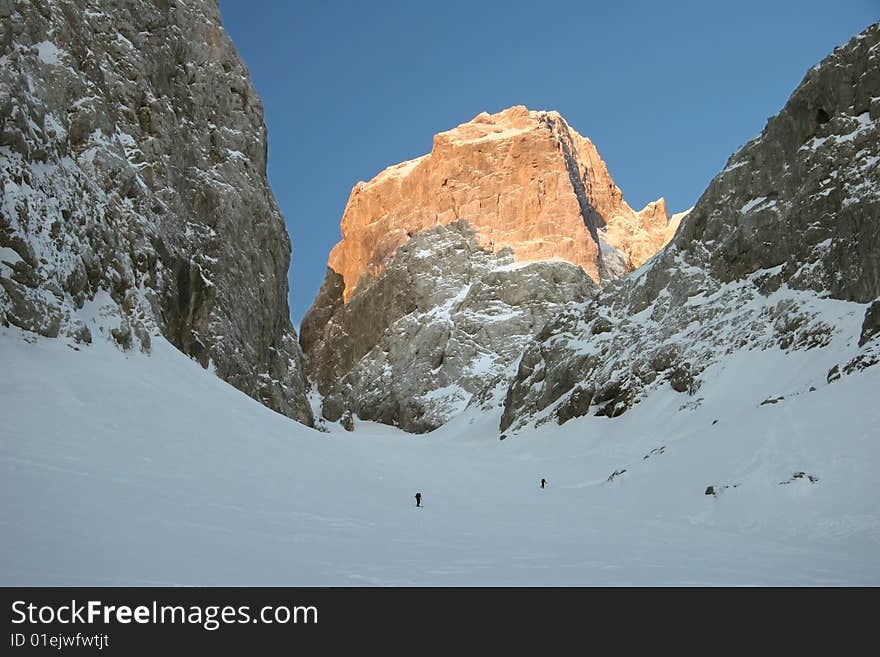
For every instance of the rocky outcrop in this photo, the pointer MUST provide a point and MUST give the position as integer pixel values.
(443, 320)
(781, 252)
(134, 191)
(643, 234)
(524, 180)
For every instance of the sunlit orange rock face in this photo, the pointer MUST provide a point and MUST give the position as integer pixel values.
(523, 179)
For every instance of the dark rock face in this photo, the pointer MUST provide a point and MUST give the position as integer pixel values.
(788, 226)
(326, 305)
(804, 194)
(135, 199)
(871, 324)
(441, 323)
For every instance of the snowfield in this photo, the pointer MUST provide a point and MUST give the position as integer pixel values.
(126, 469)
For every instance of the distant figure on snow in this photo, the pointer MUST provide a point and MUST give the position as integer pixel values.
(418, 499)
(543, 482)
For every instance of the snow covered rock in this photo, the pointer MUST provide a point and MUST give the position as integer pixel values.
(134, 191)
(442, 321)
(782, 251)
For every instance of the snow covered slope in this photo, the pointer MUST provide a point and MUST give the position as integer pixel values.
(124, 468)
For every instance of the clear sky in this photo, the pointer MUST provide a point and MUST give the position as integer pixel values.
(666, 90)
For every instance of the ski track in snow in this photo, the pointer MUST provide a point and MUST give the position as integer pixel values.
(126, 469)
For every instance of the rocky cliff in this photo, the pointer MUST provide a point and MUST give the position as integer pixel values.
(444, 320)
(134, 192)
(449, 263)
(523, 179)
(782, 252)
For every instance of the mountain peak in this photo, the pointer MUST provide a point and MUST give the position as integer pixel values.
(524, 180)
(452, 262)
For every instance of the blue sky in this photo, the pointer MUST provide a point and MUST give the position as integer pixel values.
(666, 90)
